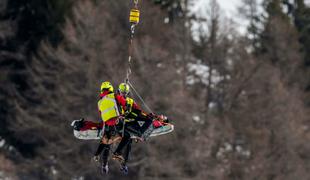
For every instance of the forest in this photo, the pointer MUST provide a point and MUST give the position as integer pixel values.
(239, 101)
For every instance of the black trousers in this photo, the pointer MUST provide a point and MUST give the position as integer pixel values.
(124, 142)
(109, 131)
(105, 149)
(133, 127)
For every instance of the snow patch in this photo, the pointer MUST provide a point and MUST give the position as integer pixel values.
(212, 105)
(78, 178)
(54, 171)
(243, 152)
(166, 20)
(200, 73)
(225, 149)
(228, 147)
(179, 71)
(4, 177)
(305, 127)
(196, 118)
(2, 143)
(159, 65)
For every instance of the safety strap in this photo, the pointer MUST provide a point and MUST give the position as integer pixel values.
(102, 131)
(123, 129)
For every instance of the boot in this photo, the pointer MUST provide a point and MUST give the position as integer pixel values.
(118, 157)
(104, 169)
(124, 168)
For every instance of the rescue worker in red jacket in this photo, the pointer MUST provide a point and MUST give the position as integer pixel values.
(111, 107)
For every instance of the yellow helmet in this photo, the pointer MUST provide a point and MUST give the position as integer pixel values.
(106, 86)
(123, 88)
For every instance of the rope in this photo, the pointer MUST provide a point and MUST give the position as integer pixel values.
(130, 51)
(136, 2)
(141, 99)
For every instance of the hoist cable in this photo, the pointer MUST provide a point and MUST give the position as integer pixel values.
(141, 99)
(134, 19)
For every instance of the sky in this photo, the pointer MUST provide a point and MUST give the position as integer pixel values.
(228, 9)
(229, 6)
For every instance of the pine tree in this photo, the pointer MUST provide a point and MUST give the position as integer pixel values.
(280, 41)
(302, 22)
(249, 10)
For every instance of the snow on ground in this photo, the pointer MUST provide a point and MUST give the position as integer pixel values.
(199, 73)
(78, 178)
(227, 148)
(2, 143)
(196, 118)
(3, 176)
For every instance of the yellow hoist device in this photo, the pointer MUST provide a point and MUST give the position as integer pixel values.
(134, 16)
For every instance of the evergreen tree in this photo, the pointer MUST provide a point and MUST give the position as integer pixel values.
(302, 22)
(279, 41)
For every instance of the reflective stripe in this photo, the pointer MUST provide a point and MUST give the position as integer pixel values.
(134, 114)
(107, 110)
(115, 104)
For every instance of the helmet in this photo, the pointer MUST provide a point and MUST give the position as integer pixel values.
(123, 88)
(106, 86)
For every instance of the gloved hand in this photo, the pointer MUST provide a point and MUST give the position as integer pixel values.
(166, 120)
(96, 158)
(120, 119)
(151, 115)
(163, 118)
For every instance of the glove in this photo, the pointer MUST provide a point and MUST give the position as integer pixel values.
(166, 120)
(120, 118)
(151, 115)
(96, 158)
(163, 118)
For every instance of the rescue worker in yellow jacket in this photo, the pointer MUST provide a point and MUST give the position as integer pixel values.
(111, 106)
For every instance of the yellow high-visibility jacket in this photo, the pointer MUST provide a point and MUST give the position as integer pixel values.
(108, 107)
